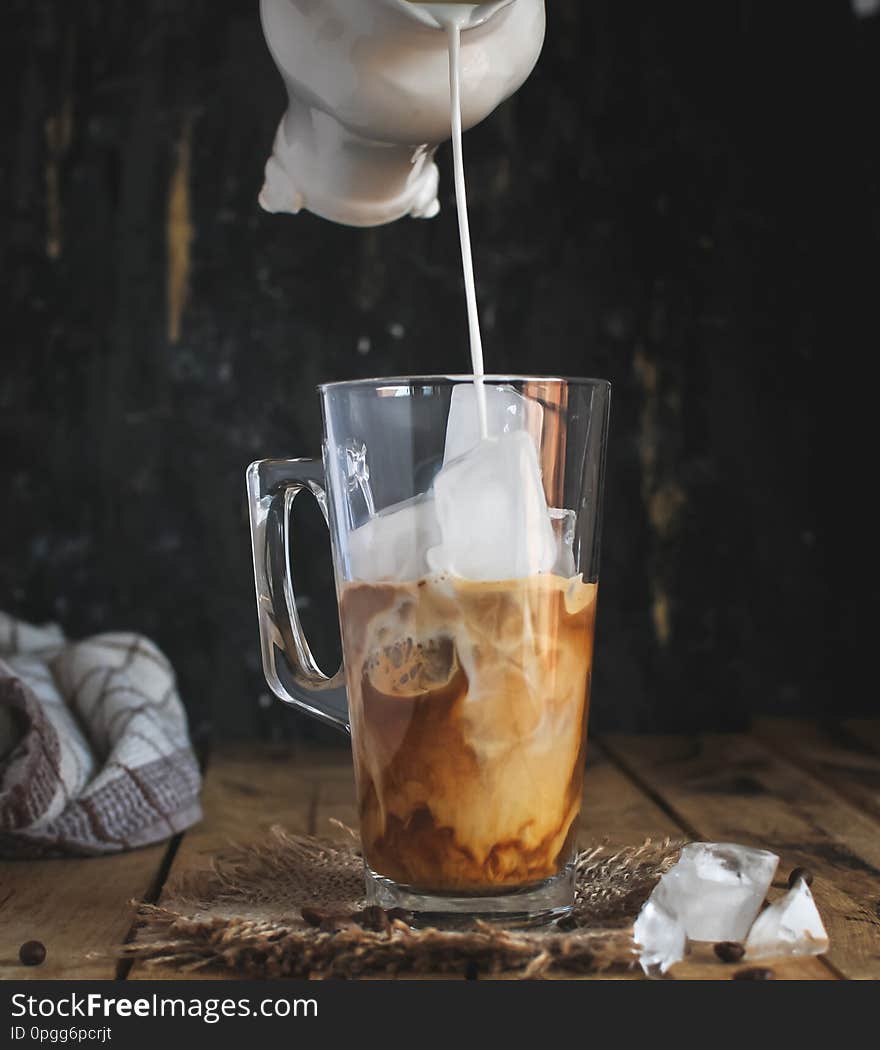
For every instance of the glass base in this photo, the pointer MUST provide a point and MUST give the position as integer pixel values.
(535, 905)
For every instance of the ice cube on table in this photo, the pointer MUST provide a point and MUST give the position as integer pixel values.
(790, 926)
(563, 523)
(716, 889)
(393, 545)
(492, 512)
(660, 936)
(506, 412)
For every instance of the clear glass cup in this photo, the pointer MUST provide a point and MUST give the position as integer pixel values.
(466, 574)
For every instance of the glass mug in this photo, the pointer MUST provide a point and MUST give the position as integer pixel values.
(465, 520)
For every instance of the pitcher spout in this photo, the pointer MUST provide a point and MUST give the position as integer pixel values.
(437, 15)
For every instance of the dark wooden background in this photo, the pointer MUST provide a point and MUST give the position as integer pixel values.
(683, 199)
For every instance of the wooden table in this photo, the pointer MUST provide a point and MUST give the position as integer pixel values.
(809, 792)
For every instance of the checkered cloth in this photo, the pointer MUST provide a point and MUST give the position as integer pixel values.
(94, 750)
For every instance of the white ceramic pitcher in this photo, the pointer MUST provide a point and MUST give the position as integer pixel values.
(368, 90)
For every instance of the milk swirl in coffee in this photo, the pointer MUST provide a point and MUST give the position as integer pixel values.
(469, 711)
(468, 643)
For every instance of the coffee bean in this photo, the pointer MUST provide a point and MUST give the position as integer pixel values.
(373, 918)
(729, 951)
(755, 973)
(800, 873)
(32, 953)
(313, 916)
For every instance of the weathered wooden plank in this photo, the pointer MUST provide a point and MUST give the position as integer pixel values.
(733, 788)
(78, 908)
(835, 756)
(616, 809)
(247, 789)
(330, 775)
(867, 730)
(702, 964)
(608, 975)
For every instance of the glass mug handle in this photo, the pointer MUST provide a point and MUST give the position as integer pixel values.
(288, 664)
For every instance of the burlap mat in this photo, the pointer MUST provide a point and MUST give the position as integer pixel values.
(292, 906)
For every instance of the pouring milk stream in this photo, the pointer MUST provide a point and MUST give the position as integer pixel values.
(452, 17)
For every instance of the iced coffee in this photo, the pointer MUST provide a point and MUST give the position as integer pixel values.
(469, 703)
(468, 639)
